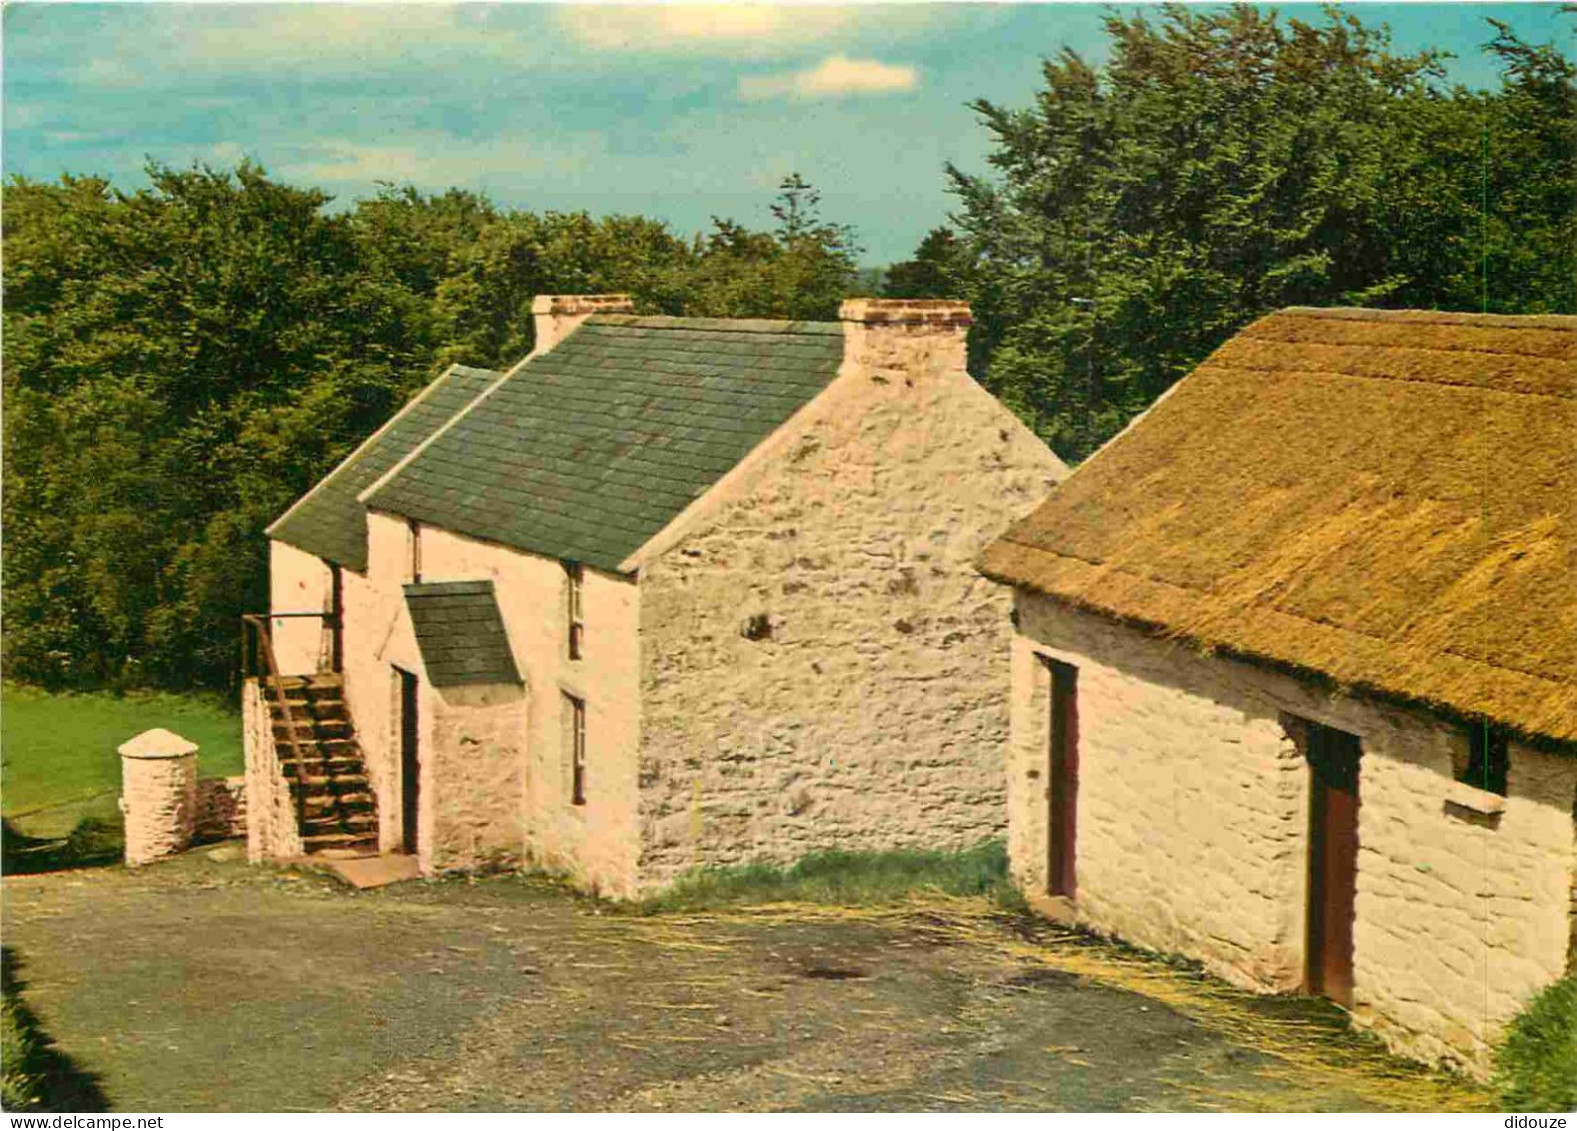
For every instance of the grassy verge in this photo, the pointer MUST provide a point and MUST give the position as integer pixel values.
(34, 1074)
(60, 764)
(845, 879)
(1536, 1065)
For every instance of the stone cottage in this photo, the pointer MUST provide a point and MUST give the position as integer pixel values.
(671, 592)
(1295, 678)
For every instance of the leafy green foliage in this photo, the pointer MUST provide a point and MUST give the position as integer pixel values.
(1225, 164)
(846, 879)
(1536, 1065)
(184, 361)
(940, 269)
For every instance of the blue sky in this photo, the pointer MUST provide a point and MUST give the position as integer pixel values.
(675, 112)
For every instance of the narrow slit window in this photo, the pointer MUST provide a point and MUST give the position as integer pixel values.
(576, 618)
(1488, 759)
(414, 533)
(575, 747)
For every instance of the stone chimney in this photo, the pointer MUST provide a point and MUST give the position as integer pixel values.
(898, 339)
(557, 315)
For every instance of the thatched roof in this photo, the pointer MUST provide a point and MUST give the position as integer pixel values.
(1388, 498)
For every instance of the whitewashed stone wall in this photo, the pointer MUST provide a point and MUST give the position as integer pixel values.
(299, 582)
(822, 667)
(1192, 834)
(493, 784)
(272, 830)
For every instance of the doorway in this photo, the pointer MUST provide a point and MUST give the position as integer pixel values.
(1062, 790)
(410, 761)
(1333, 861)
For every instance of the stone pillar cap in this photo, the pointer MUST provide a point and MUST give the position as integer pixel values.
(939, 312)
(582, 304)
(157, 743)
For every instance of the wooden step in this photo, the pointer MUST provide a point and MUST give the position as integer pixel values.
(311, 708)
(317, 842)
(304, 727)
(360, 823)
(316, 762)
(317, 782)
(349, 801)
(308, 687)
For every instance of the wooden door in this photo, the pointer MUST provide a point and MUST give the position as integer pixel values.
(410, 762)
(1333, 861)
(1062, 793)
(337, 620)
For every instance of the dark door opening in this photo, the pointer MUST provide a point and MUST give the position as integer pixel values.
(1333, 861)
(337, 620)
(410, 763)
(1062, 791)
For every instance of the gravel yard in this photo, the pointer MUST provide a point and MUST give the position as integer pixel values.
(206, 984)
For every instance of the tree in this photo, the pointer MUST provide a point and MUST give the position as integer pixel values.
(1225, 164)
(939, 269)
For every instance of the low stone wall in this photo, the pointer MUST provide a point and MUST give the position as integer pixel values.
(271, 829)
(221, 808)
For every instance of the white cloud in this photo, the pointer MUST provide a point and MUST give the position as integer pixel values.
(835, 77)
(748, 29)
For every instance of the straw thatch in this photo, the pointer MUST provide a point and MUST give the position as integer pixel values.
(1388, 498)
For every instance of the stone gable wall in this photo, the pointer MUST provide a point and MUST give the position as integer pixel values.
(821, 666)
(1192, 833)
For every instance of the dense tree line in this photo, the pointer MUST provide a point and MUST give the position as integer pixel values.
(183, 361)
(1225, 163)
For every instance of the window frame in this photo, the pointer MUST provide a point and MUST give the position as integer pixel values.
(575, 729)
(1487, 765)
(575, 609)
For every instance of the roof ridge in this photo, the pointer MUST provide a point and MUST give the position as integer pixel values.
(1421, 317)
(716, 325)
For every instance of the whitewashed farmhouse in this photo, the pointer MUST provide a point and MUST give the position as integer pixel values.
(672, 592)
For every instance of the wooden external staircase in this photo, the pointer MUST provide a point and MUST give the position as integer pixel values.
(334, 800)
(314, 744)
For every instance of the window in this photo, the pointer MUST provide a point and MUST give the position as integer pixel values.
(575, 746)
(1488, 759)
(414, 532)
(577, 628)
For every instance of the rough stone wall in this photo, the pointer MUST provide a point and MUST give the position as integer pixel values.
(158, 801)
(272, 832)
(476, 771)
(221, 808)
(1193, 824)
(493, 759)
(299, 582)
(821, 664)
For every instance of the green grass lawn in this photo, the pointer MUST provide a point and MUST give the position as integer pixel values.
(59, 760)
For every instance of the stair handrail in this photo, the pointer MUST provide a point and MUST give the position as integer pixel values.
(272, 677)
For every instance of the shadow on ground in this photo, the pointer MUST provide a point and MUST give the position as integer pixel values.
(38, 1075)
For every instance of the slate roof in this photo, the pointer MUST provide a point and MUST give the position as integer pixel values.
(1388, 498)
(329, 521)
(460, 633)
(587, 451)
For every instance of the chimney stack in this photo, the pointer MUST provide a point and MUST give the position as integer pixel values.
(900, 338)
(556, 315)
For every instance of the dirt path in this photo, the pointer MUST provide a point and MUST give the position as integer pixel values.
(208, 985)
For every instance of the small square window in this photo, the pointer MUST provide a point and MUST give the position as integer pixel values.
(575, 747)
(1488, 759)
